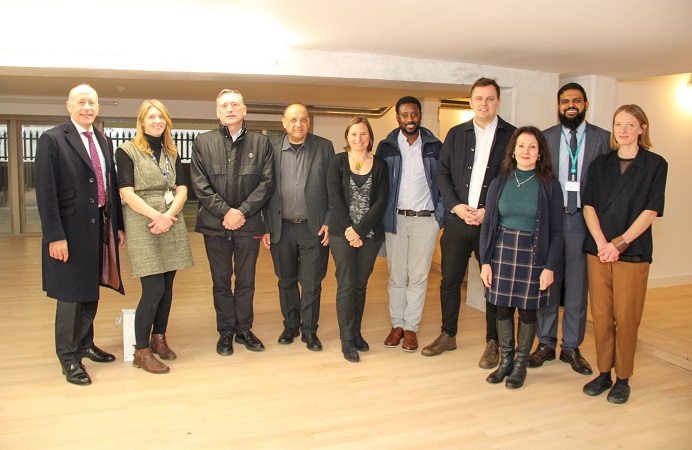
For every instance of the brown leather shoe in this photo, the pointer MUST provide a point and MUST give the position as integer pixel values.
(443, 343)
(161, 348)
(491, 355)
(394, 338)
(146, 360)
(574, 358)
(410, 341)
(542, 354)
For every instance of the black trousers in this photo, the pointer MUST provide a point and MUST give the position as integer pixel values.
(457, 243)
(154, 307)
(74, 321)
(234, 311)
(299, 257)
(353, 269)
(74, 329)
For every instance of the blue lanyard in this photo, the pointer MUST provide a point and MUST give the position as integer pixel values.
(574, 158)
(167, 173)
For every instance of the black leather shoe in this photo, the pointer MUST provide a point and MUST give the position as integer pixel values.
(97, 355)
(225, 345)
(312, 342)
(597, 386)
(250, 341)
(288, 334)
(76, 374)
(619, 394)
(542, 354)
(360, 344)
(349, 351)
(574, 358)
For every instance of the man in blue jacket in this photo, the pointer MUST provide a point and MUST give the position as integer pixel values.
(412, 219)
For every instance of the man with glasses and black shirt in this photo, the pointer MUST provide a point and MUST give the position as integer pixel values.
(232, 175)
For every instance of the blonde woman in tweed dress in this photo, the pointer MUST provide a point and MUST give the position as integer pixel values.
(521, 242)
(152, 187)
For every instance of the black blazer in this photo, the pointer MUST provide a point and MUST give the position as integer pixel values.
(338, 182)
(620, 199)
(320, 153)
(67, 197)
(456, 163)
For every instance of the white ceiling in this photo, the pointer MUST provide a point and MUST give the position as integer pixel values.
(625, 39)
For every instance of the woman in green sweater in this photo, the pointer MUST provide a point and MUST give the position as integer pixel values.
(521, 241)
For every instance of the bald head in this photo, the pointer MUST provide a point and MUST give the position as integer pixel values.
(296, 122)
(83, 105)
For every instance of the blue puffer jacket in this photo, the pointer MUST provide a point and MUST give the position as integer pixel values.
(388, 149)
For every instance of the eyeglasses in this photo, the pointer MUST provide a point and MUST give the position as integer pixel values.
(234, 106)
(294, 121)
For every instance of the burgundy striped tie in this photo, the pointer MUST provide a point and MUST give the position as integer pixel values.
(96, 162)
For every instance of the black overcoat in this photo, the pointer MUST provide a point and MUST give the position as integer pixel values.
(67, 198)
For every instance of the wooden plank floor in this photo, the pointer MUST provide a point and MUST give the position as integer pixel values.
(290, 398)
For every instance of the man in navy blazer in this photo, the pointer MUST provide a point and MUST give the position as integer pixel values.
(470, 159)
(297, 218)
(82, 228)
(574, 144)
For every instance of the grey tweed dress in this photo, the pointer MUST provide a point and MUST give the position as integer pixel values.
(152, 254)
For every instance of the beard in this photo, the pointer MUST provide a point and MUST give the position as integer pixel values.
(416, 128)
(574, 122)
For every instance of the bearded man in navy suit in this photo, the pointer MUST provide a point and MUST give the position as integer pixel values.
(574, 144)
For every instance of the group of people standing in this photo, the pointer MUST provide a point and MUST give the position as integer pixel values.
(521, 200)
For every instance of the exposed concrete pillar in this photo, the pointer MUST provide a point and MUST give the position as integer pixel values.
(431, 114)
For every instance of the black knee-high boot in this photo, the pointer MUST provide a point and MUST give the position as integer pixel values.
(505, 334)
(525, 336)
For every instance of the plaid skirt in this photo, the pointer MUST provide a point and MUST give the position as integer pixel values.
(515, 278)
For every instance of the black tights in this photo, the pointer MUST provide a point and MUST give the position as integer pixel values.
(527, 316)
(154, 307)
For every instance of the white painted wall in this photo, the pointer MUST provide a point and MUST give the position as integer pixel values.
(671, 132)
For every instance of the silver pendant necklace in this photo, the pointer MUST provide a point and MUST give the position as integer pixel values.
(520, 183)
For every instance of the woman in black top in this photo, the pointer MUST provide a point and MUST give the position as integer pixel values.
(152, 186)
(520, 245)
(358, 188)
(624, 194)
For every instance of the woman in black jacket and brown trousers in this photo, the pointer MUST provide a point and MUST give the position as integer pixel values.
(358, 188)
(625, 192)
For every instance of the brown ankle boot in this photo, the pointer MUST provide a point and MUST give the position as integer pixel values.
(146, 360)
(160, 347)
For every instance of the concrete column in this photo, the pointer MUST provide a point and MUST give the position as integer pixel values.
(431, 114)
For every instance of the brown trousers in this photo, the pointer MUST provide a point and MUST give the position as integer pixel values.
(617, 292)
